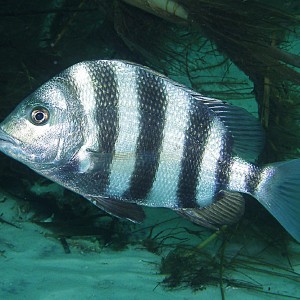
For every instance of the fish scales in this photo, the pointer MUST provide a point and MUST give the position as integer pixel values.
(195, 141)
(152, 103)
(79, 76)
(106, 91)
(216, 167)
(122, 135)
(165, 186)
(124, 156)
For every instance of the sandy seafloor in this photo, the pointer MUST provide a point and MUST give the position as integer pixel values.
(35, 266)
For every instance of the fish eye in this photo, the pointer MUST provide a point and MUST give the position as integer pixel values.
(39, 115)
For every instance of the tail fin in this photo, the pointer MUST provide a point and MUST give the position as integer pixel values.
(279, 192)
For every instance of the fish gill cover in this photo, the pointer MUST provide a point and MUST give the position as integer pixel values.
(239, 51)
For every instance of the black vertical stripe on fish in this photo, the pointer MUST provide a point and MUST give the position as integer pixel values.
(152, 102)
(106, 92)
(222, 175)
(73, 165)
(194, 145)
(253, 178)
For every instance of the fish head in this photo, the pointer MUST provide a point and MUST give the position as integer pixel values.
(43, 130)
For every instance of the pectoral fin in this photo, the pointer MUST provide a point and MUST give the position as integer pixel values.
(118, 208)
(227, 209)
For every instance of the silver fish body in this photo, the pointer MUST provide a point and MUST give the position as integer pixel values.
(123, 136)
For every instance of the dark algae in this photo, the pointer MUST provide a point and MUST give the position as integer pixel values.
(201, 266)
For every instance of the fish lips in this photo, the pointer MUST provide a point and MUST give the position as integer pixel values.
(18, 150)
(6, 138)
(9, 145)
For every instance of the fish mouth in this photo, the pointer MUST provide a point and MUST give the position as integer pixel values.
(7, 139)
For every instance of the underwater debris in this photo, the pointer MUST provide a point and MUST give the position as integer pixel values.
(233, 261)
(156, 243)
(118, 237)
(181, 272)
(65, 245)
(199, 271)
(98, 232)
(2, 220)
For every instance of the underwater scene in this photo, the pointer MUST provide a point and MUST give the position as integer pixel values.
(150, 149)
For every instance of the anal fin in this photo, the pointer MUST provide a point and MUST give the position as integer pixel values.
(119, 208)
(228, 207)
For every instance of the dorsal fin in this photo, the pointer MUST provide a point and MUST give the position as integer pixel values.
(227, 209)
(246, 131)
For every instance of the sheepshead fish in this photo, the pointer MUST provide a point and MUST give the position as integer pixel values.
(124, 136)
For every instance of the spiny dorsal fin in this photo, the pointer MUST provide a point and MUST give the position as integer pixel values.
(227, 209)
(246, 131)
